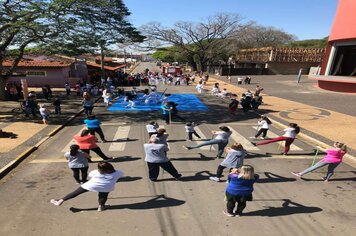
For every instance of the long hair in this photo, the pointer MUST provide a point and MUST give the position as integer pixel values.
(247, 172)
(105, 168)
(74, 149)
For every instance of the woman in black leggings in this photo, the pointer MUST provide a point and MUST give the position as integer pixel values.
(87, 143)
(102, 181)
(78, 163)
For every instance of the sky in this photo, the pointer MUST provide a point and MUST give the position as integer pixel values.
(306, 19)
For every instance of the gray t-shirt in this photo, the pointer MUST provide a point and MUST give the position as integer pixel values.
(155, 152)
(162, 139)
(222, 135)
(234, 159)
(77, 161)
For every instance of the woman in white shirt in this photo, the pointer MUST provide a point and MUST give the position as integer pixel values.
(262, 128)
(102, 180)
(152, 128)
(221, 139)
(288, 136)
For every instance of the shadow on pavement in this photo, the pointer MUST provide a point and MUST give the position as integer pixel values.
(129, 179)
(160, 201)
(288, 208)
(274, 178)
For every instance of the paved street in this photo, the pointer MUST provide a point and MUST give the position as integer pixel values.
(282, 205)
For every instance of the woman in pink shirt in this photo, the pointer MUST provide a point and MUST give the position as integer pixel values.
(87, 142)
(333, 158)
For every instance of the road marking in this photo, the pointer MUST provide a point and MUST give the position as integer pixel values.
(62, 160)
(113, 124)
(203, 137)
(270, 134)
(121, 133)
(72, 141)
(241, 139)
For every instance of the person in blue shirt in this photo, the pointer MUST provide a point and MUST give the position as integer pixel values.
(93, 126)
(166, 109)
(239, 189)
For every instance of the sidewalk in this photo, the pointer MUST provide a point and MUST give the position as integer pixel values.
(30, 131)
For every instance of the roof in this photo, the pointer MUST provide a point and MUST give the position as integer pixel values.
(38, 63)
(89, 63)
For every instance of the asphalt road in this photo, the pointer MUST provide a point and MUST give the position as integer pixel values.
(283, 205)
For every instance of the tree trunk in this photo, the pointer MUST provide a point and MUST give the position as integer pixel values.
(102, 63)
(2, 88)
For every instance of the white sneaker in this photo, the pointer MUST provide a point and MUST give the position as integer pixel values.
(57, 202)
(253, 137)
(101, 208)
(216, 179)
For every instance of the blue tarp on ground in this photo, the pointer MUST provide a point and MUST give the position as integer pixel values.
(186, 102)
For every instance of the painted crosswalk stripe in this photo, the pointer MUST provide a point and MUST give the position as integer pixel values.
(121, 133)
(270, 134)
(238, 138)
(72, 141)
(198, 130)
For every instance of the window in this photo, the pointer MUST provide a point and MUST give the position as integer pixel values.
(36, 73)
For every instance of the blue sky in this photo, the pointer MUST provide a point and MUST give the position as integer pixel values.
(307, 19)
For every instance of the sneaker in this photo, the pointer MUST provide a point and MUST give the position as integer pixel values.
(178, 177)
(216, 179)
(101, 208)
(186, 147)
(263, 138)
(325, 179)
(253, 137)
(57, 202)
(254, 144)
(228, 214)
(296, 174)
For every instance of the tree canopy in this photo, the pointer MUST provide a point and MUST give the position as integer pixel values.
(214, 40)
(70, 26)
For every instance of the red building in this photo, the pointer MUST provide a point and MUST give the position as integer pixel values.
(338, 70)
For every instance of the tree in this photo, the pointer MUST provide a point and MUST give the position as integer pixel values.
(69, 25)
(256, 36)
(198, 41)
(309, 43)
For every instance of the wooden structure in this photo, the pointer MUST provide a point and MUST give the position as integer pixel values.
(280, 60)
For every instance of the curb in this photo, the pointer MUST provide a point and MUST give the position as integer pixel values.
(14, 163)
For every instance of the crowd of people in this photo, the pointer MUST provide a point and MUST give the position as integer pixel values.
(241, 177)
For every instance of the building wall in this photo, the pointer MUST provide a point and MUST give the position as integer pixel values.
(56, 77)
(290, 68)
